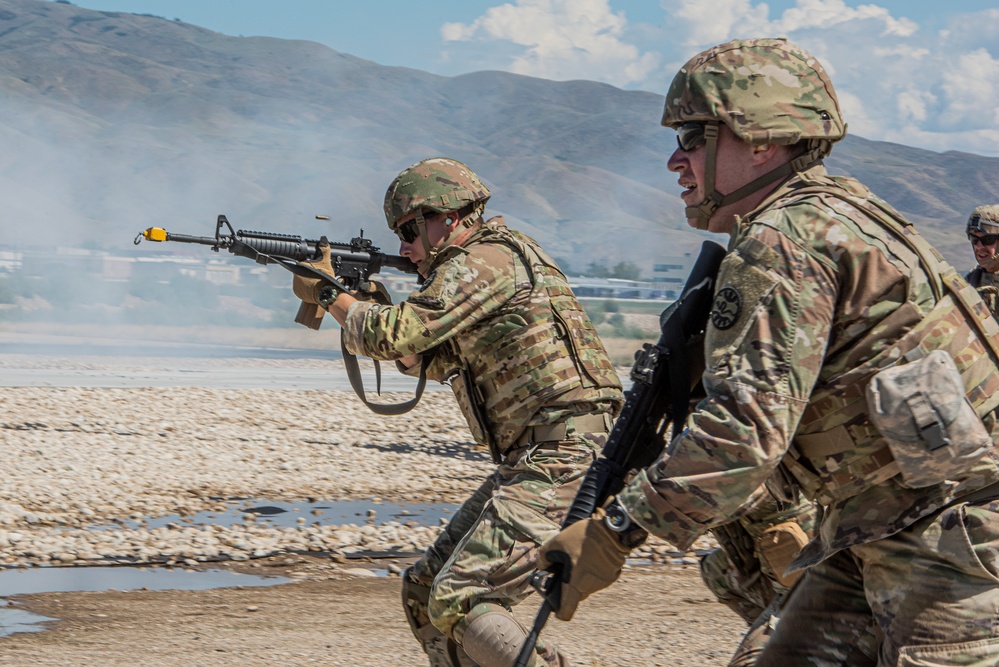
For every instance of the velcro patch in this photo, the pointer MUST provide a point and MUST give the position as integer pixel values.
(726, 307)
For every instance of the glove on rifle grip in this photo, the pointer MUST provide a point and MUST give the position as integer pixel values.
(310, 315)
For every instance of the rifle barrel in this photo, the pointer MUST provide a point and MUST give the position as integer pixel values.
(186, 238)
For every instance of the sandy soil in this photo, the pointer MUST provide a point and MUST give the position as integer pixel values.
(655, 615)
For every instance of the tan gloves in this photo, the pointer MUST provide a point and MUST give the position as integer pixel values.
(377, 293)
(311, 312)
(307, 288)
(591, 556)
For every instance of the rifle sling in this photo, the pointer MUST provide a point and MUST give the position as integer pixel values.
(354, 375)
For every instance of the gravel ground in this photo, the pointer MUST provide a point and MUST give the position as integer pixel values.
(83, 456)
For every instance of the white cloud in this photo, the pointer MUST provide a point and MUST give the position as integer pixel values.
(972, 93)
(709, 23)
(700, 24)
(828, 13)
(561, 39)
(933, 85)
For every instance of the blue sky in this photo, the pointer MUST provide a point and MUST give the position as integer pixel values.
(915, 72)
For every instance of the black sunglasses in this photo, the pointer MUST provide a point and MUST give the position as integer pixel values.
(690, 135)
(408, 231)
(984, 239)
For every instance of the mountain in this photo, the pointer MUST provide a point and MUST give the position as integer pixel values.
(113, 122)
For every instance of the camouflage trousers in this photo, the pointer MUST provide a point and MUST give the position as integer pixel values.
(488, 551)
(746, 574)
(925, 597)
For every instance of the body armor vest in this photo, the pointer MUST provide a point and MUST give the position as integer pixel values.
(542, 353)
(837, 452)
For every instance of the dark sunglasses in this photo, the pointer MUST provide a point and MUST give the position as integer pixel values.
(408, 231)
(690, 135)
(984, 239)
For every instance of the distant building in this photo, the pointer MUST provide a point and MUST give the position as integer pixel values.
(11, 261)
(613, 288)
(670, 273)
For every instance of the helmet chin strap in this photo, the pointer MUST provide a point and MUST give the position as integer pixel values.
(715, 200)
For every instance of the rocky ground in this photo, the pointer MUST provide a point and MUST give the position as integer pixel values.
(80, 457)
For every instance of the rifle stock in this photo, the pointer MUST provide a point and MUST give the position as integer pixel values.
(659, 397)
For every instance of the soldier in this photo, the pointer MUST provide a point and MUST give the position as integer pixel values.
(496, 320)
(983, 232)
(844, 360)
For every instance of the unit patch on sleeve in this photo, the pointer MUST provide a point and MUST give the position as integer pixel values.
(726, 307)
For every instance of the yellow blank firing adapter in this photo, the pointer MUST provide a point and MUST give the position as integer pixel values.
(152, 234)
(155, 234)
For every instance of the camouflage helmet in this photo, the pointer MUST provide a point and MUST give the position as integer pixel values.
(765, 91)
(439, 184)
(984, 220)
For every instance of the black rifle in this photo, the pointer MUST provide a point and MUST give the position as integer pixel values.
(659, 397)
(353, 263)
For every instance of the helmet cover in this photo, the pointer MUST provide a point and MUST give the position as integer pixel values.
(439, 184)
(984, 219)
(764, 90)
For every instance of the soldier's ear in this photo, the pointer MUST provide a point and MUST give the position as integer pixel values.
(763, 153)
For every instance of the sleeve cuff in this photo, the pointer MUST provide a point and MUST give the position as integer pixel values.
(650, 510)
(353, 327)
(411, 371)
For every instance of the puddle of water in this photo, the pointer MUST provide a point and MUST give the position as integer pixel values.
(330, 513)
(62, 579)
(278, 514)
(17, 620)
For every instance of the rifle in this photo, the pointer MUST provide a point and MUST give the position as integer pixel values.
(354, 263)
(659, 397)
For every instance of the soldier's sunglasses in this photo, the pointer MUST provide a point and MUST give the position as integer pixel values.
(408, 231)
(690, 135)
(984, 239)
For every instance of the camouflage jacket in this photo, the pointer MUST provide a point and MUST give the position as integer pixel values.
(505, 332)
(813, 287)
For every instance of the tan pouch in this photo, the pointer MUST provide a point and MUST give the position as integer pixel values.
(778, 546)
(931, 429)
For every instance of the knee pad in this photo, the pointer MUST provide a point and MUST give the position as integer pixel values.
(493, 638)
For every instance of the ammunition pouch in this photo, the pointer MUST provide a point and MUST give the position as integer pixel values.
(929, 425)
(778, 546)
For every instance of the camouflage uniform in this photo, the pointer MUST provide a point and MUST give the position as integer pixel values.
(824, 286)
(499, 323)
